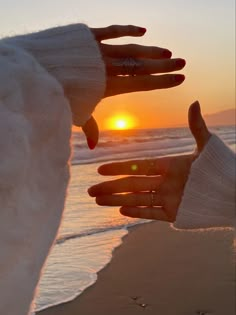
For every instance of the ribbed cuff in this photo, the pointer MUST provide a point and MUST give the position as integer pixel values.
(71, 54)
(209, 194)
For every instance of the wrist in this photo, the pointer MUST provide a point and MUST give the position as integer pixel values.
(209, 195)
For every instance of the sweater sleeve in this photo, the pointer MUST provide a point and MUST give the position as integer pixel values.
(35, 131)
(71, 54)
(209, 194)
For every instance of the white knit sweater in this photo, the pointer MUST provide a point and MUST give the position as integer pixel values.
(209, 194)
(70, 54)
(35, 130)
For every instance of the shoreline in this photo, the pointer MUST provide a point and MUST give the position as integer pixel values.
(72, 298)
(92, 282)
(162, 271)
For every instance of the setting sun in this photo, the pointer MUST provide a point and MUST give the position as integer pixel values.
(121, 122)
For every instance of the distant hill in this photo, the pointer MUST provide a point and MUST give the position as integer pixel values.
(226, 117)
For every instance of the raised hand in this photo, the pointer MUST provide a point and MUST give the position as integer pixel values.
(156, 190)
(130, 68)
(136, 62)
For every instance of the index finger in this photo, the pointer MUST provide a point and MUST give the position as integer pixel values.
(115, 31)
(135, 51)
(136, 167)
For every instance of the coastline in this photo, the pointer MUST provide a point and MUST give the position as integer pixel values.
(162, 271)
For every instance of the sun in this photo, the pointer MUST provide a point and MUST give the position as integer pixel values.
(121, 122)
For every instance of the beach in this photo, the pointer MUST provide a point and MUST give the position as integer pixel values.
(158, 270)
(122, 265)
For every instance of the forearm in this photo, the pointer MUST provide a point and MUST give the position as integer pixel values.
(35, 130)
(71, 54)
(209, 195)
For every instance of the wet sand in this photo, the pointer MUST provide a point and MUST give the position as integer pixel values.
(158, 270)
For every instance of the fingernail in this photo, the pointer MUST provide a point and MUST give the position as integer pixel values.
(180, 63)
(179, 78)
(91, 143)
(166, 53)
(142, 30)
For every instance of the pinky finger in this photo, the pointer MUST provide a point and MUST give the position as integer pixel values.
(150, 213)
(120, 85)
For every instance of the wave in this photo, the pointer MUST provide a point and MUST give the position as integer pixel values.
(125, 141)
(64, 238)
(142, 144)
(123, 154)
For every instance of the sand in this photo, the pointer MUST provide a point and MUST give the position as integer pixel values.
(158, 270)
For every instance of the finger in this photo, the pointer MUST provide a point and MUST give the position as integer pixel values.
(127, 184)
(198, 126)
(120, 85)
(131, 199)
(154, 213)
(136, 167)
(135, 51)
(115, 31)
(91, 131)
(146, 66)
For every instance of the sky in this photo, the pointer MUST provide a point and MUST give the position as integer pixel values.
(200, 31)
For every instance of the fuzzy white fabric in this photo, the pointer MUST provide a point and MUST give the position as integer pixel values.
(71, 54)
(209, 194)
(35, 132)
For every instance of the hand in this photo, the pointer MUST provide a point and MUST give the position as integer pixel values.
(156, 195)
(150, 60)
(147, 61)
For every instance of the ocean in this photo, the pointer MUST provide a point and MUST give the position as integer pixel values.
(89, 233)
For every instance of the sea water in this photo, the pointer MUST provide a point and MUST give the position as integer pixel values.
(89, 233)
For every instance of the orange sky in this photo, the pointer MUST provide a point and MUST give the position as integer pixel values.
(201, 31)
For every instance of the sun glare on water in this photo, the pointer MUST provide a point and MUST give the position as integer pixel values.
(121, 122)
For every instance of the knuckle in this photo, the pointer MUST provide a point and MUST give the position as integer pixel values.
(153, 51)
(167, 65)
(171, 65)
(130, 27)
(114, 29)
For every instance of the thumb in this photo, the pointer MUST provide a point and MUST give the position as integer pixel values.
(198, 126)
(91, 131)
